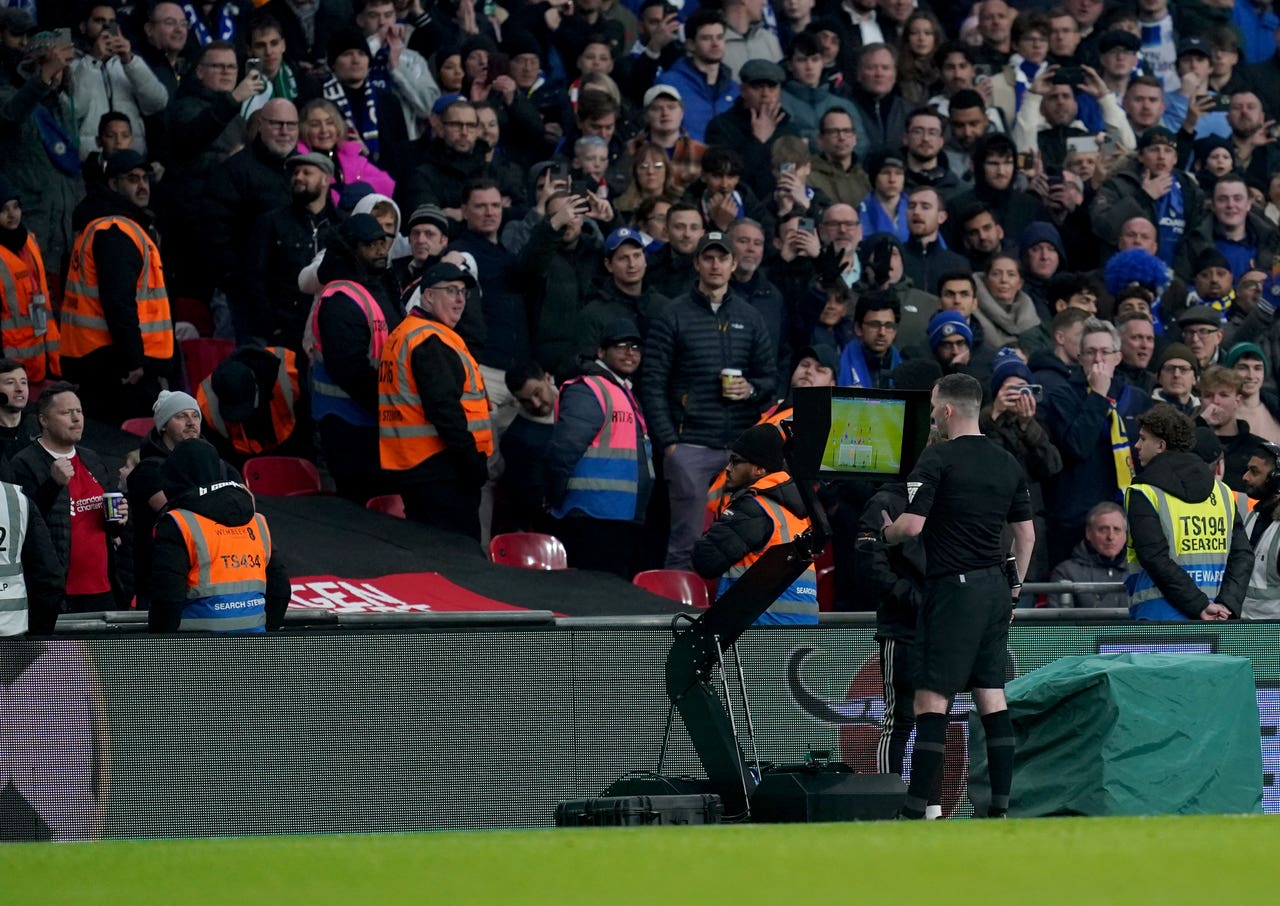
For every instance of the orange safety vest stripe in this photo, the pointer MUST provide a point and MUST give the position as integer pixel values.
(283, 396)
(405, 437)
(25, 303)
(717, 496)
(221, 556)
(84, 324)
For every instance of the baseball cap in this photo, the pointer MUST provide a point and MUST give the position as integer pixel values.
(1194, 44)
(444, 272)
(237, 390)
(1157, 135)
(619, 330)
(824, 354)
(363, 228)
(658, 91)
(761, 71)
(714, 239)
(1119, 38)
(123, 162)
(313, 159)
(621, 235)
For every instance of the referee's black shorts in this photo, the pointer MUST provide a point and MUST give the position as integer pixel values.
(962, 638)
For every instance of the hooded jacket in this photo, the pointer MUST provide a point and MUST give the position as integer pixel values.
(1184, 475)
(192, 479)
(702, 102)
(743, 528)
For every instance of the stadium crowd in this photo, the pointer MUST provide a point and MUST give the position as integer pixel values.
(544, 265)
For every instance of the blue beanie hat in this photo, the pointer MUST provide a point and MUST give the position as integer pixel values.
(1039, 231)
(1008, 364)
(948, 324)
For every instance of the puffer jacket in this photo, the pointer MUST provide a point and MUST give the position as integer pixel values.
(1087, 565)
(686, 349)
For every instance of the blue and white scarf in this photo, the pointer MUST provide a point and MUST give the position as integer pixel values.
(1171, 221)
(367, 125)
(226, 22)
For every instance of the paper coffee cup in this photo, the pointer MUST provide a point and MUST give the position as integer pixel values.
(726, 378)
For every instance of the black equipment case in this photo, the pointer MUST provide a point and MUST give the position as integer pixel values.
(633, 811)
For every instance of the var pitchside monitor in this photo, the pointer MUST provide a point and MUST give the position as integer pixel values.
(846, 432)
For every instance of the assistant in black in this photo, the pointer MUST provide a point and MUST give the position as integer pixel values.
(960, 496)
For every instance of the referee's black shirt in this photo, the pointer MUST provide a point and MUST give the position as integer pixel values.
(968, 488)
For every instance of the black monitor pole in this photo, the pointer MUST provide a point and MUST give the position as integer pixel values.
(699, 648)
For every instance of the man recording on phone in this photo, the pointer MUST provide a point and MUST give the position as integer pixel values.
(1050, 113)
(109, 76)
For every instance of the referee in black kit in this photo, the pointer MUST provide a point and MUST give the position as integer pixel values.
(960, 495)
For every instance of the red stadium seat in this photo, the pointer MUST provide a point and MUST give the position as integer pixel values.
(202, 356)
(138, 426)
(391, 504)
(827, 589)
(528, 550)
(677, 584)
(281, 476)
(194, 312)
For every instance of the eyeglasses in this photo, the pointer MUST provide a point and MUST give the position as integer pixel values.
(282, 125)
(889, 326)
(454, 292)
(1200, 333)
(1097, 353)
(843, 224)
(626, 347)
(461, 124)
(1175, 369)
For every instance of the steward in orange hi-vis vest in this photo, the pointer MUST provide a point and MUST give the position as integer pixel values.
(214, 568)
(433, 413)
(27, 328)
(244, 417)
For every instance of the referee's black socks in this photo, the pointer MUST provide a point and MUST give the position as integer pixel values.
(999, 731)
(926, 762)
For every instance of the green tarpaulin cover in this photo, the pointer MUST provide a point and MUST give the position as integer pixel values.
(1130, 734)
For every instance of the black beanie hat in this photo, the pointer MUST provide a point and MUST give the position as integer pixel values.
(761, 445)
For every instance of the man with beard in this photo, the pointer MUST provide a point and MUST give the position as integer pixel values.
(117, 334)
(993, 184)
(348, 328)
(925, 256)
(927, 163)
(968, 122)
(17, 427)
(285, 241)
(428, 228)
(982, 236)
(177, 418)
(765, 510)
(600, 463)
(1262, 482)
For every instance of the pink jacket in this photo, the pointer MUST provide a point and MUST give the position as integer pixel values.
(355, 167)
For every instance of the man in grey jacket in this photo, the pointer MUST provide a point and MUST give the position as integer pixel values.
(1098, 558)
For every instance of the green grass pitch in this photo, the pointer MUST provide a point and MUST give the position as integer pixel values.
(1131, 861)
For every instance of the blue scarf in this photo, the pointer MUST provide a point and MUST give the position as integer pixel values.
(876, 220)
(226, 23)
(380, 68)
(59, 142)
(853, 365)
(367, 124)
(1171, 221)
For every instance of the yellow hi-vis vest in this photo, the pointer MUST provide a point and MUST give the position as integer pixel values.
(1199, 537)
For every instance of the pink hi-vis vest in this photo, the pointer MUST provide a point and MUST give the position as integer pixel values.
(606, 481)
(327, 398)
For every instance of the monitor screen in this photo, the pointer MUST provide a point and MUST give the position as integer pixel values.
(858, 433)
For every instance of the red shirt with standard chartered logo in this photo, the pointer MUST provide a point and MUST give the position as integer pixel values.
(87, 565)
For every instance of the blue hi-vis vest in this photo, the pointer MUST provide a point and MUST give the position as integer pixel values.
(1199, 537)
(227, 581)
(798, 604)
(606, 480)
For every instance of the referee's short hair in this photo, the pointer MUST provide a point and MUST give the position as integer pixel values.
(962, 391)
